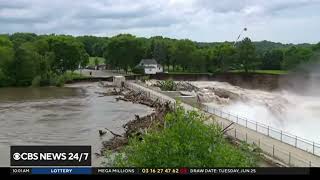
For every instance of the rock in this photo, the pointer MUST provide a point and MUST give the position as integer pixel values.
(222, 93)
(187, 93)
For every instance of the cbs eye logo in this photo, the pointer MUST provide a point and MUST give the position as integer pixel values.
(16, 156)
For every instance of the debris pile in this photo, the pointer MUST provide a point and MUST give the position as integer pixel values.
(138, 126)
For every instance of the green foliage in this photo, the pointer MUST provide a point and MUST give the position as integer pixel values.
(145, 78)
(124, 51)
(296, 56)
(92, 61)
(272, 60)
(27, 59)
(6, 61)
(26, 64)
(67, 54)
(247, 55)
(25, 56)
(138, 70)
(167, 85)
(185, 141)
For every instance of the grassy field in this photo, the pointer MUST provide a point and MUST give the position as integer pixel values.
(92, 61)
(75, 75)
(265, 71)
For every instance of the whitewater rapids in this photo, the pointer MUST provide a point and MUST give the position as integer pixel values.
(293, 113)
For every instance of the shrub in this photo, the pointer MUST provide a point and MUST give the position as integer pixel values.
(167, 85)
(60, 81)
(138, 70)
(145, 78)
(185, 141)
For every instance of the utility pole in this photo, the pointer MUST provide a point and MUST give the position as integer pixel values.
(245, 29)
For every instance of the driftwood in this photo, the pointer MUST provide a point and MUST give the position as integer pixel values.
(114, 134)
(140, 125)
(226, 129)
(101, 133)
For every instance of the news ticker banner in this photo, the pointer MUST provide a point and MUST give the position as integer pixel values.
(58, 159)
(161, 171)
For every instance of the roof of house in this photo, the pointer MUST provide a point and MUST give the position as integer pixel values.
(148, 61)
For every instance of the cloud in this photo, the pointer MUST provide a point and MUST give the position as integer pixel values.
(200, 20)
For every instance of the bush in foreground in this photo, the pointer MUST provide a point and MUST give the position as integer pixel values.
(185, 141)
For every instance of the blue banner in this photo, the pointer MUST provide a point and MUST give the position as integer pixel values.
(61, 171)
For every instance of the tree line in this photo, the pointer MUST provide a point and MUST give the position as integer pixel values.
(125, 51)
(27, 58)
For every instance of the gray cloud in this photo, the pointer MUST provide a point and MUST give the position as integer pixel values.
(201, 20)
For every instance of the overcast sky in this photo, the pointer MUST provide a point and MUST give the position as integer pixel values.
(287, 21)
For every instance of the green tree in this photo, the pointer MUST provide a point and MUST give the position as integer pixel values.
(295, 56)
(6, 61)
(182, 53)
(247, 55)
(272, 59)
(96, 61)
(125, 51)
(69, 53)
(26, 64)
(198, 61)
(20, 38)
(225, 55)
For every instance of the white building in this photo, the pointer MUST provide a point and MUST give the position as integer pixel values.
(150, 66)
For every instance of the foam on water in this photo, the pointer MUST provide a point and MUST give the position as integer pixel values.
(284, 110)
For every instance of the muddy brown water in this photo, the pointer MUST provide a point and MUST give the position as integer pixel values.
(71, 115)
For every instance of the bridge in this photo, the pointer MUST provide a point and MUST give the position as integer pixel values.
(286, 149)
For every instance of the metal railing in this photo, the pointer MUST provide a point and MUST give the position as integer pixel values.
(282, 136)
(276, 152)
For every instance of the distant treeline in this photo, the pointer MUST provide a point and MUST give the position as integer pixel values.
(27, 58)
(125, 51)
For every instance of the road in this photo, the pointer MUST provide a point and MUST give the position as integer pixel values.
(98, 73)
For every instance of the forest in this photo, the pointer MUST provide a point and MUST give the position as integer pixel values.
(40, 60)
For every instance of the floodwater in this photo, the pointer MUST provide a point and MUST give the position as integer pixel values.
(296, 114)
(71, 115)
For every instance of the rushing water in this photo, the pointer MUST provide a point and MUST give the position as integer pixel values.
(60, 116)
(294, 113)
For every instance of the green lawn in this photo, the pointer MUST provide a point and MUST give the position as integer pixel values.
(75, 75)
(265, 71)
(92, 61)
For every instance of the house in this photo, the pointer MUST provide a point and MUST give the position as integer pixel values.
(150, 66)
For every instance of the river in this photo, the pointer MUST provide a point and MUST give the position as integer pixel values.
(71, 115)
